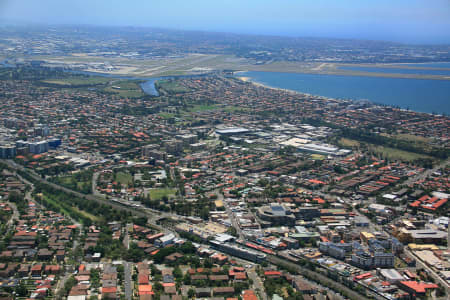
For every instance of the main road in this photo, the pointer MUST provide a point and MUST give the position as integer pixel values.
(423, 265)
(152, 217)
(323, 280)
(128, 282)
(152, 220)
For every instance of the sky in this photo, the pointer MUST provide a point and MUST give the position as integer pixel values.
(407, 21)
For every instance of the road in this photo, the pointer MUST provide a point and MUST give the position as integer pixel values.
(29, 198)
(94, 184)
(152, 214)
(137, 212)
(152, 217)
(257, 283)
(15, 215)
(425, 174)
(231, 215)
(421, 264)
(127, 280)
(126, 238)
(323, 280)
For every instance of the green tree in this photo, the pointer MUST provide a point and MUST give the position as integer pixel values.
(191, 293)
(21, 290)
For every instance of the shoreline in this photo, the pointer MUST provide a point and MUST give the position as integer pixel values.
(376, 104)
(259, 84)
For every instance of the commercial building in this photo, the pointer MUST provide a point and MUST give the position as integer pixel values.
(189, 139)
(173, 146)
(165, 240)
(54, 143)
(239, 251)
(391, 275)
(361, 221)
(38, 147)
(151, 151)
(276, 214)
(335, 250)
(7, 151)
(366, 236)
(307, 213)
(367, 260)
(428, 236)
(417, 288)
(304, 234)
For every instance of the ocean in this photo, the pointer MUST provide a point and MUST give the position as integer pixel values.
(430, 96)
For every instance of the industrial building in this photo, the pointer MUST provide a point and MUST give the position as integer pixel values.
(232, 131)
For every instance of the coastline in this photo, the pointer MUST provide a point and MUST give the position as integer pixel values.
(259, 84)
(376, 104)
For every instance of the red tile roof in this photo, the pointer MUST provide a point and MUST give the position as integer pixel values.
(419, 287)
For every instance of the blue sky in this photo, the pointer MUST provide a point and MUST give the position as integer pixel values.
(411, 21)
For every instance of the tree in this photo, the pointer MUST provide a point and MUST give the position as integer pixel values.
(232, 231)
(204, 213)
(187, 248)
(158, 287)
(70, 283)
(95, 278)
(141, 221)
(187, 279)
(177, 273)
(191, 293)
(154, 270)
(21, 290)
(208, 263)
(120, 272)
(135, 253)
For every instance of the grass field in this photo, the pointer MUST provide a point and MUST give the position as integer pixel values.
(77, 81)
(202, 107)
(348, 143)
(387, 152)
(393, 153)
(67, 210)
(70, 182)
(126, 88)
(52, 201)
(123, 178)
(317, 157)
(158, 194)
(166, 115)
(232, 109)
(86, 214)
(412, 138)
(171, 87)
